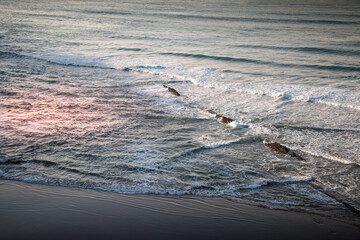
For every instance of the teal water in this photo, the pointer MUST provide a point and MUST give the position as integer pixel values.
(82, 102)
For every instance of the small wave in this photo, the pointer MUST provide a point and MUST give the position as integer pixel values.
(150, 67)
(143, 169)
(10, 54)
(51, 16)
(79, 61)
(261, 20)
(67, 60)
(131, 49)
(261, 62)
(81, 172)
(189, 16)
(11, 161)
(215, 145)
(317, 128)
(222, 143)
(48, 164)
(44, 162)
(272, 182)
(317, 50)
(95, 62)
(275, 202)
(203, 187)
(220, 58)
(328, 96)
(141, 37)
(106, 12)
(17, 161)
(323, 155)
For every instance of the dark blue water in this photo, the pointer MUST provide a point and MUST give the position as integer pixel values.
(83, 103)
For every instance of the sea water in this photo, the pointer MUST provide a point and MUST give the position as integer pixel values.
(82, 102)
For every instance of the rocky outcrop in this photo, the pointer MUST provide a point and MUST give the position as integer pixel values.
(172, 91)
(222, 118)
(277, 147)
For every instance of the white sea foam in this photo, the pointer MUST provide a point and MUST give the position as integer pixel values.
(209, 78)
(222, 143)
(267, 182)
(325, 95)
(321, 154)
(276, 202)
(335, 129)
(260, 130)
(238, 124)
(75, 60)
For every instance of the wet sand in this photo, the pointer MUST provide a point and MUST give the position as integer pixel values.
(32, 211)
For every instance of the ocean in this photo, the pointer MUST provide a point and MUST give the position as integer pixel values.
(82, 101)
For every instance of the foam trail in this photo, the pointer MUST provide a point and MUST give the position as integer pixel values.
(269, 182)
(206, 77)
(212, 145)
(69, 60)
(318, 128)
(222, 143)
(328, 156)
(237, 124)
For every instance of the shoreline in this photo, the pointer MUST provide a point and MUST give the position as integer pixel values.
(33, 211)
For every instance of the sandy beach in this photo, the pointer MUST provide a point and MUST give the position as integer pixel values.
(31, 211)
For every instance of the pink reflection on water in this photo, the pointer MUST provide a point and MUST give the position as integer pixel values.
(56, 115)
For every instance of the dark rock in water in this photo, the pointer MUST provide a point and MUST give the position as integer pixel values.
(126, 69)
(293, 154)
(282, 149)
(173, 91)
(278, 148)
(222, 118)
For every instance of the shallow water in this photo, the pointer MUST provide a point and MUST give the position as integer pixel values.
(82, 101)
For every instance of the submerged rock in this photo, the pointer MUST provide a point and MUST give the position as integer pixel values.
(222, 118)
(277, 147)
(173, 91)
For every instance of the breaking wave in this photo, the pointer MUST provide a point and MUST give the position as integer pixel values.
(207, 78)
